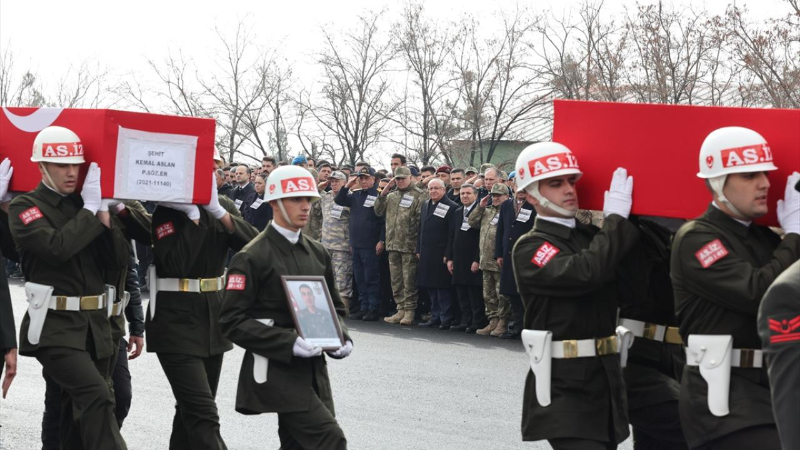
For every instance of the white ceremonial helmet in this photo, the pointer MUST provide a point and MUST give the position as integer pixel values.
(541, 161)
(57, 145)
(290, 181)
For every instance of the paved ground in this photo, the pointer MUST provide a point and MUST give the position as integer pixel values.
(402, 388)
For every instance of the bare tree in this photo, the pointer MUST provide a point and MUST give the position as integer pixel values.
(355, 103)
(83, 86)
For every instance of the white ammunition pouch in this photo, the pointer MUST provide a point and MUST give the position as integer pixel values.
(152, 283)
(38, 303)
(624, 341)
(538, 345)
(712, 353)
(260, 363)
(111, 297)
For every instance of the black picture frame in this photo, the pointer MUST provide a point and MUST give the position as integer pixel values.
(323, 329)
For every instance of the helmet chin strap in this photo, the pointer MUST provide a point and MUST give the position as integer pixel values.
(717, 183)
(533, 189)
(51, 183)
(283, 213)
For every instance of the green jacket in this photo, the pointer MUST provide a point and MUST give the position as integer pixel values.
(258, 268)
(402, 210)
(335, 230)
(185, 322)
(63, 245)
(486, 220)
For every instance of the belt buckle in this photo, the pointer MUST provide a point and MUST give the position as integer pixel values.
(747, 358)
(183, 285)
(61, 303)
(606, 346)
(90, 303)
(209, 284)
(673, 336)
(570, 348)
(650, 331)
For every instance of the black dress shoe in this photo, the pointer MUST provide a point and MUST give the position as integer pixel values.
(359, 315)
(429, 324)
(511, 335)
(471, 330)
(444, 326)
(371, 316)
(460, 327)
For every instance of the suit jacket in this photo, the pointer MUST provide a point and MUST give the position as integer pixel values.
(433, 244)
(258, 217)
(247, 195)
(509, 230)
(226, 190)
(465, 249)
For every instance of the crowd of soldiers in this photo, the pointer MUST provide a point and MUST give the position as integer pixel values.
(629, 321)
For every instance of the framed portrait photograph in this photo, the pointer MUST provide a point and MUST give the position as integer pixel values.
(313, 312)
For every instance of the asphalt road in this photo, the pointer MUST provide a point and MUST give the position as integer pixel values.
(402, 388)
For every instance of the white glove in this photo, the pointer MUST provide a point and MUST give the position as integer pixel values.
(5, 177)
(303, 349)
(343, 352)
(618, 199)
(108, 202)
(213, 207)
(192, 211)
(789, 207)
(91, 189)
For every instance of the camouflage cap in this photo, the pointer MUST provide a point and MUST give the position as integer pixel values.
(402, 172)
(485, 166)
(338, 175)
(499, 189)
(471, 170)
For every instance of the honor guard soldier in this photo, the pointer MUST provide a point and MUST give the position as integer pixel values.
(656, 358)
(336, 237)
(66, 243)
(281, 372)
(722, 264)
(485, 218)
(8, 334)
(779, 328)
(574, 393)
(190, 248)
(401, 208)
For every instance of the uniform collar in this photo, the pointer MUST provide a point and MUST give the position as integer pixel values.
(48, 194)
(276, 236)
(551, 227)
(716, 215)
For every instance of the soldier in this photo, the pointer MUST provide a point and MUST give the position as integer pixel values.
(367, 235)
(65, 243)
(401, 208)
(316, 323)
(433, 244)
(281, 372)
(8, 334)
(313, 228)
(485, 218)
(336, 237)
(462, 263)
(565, 273)
(721, 266)
(190, 247)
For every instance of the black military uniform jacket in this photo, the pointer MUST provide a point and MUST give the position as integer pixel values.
(187, 323)
(465, 249)
(8, 334)
(720, 271)
(509, 229)
(567, 282)
(63, 245)
(435, 240)
(254, 291)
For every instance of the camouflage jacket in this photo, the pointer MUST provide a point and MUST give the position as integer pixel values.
(335, 224)
(486, 219)
(402, 212)
(314, 226)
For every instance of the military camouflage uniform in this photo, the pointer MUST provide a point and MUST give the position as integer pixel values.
(314, 226)
(336, 239)
(497, 305)
(402, 227)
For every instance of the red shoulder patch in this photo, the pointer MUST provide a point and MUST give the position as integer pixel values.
(30, 214)
(783, 330)
(165, 230)
(544, 254)
(711, 253)
(236, 282)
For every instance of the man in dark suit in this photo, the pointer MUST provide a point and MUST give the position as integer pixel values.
(244, 193)
(463, 262)
(434, 241)
(223, 187)
(516, 219)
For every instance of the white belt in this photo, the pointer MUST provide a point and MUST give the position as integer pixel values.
(584, 347)
(190, 284)
(660, 333)
(88, 303)
(745, 358)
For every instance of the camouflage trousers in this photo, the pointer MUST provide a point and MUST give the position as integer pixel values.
(343, 270)
(497, 304)
(403, 271)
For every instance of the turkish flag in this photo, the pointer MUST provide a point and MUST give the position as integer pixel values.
(142, 156)
(660, 147)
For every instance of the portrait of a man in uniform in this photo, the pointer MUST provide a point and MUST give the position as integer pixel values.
(315, 321)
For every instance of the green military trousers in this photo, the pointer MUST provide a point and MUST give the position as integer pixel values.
(403, 272)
